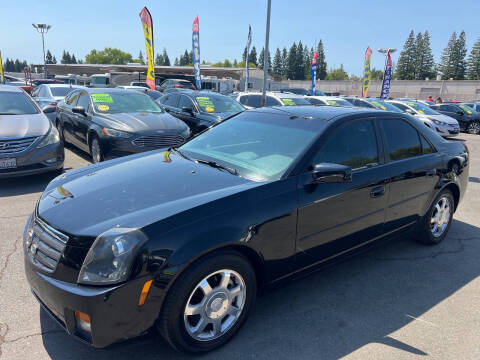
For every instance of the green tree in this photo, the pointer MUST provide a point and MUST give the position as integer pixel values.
(140, 58)
(54, 60)
(261, 60)
(244, 55)
(406, 62)
(284, 61)
(166, 59)
(337, 74)
(458, 62)
(473, 64)
(321, 62)
(292, 62)
(49, 57)
(108, 56)
(277, 63)
(235, 63)
(448, 55)
(159, 60)
(73, 59)
(425, 63)
(377, 74)
(176, 62)
(300, 62)
(253, 56)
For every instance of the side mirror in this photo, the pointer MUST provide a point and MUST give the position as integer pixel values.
(79, 110)
(187, 109)
(49, 109)
(460, 112)
(331, 173)
(410, 111)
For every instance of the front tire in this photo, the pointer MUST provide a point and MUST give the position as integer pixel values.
(208, 303)
(96, 150)
(473, 127)
(436, 223)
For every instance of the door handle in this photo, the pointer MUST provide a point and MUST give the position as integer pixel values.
(377, 192)
(431, 173)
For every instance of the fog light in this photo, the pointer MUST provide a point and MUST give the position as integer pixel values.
(51, 161)
(83, 321)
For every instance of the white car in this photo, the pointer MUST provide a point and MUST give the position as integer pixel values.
(133, 87)
(273, 98)
(444, 125)
(327, 100)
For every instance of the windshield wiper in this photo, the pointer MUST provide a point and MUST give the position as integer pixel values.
(216, 165)
(174, 149)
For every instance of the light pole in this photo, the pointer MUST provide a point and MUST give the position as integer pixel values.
(43, 29)
(265, 54)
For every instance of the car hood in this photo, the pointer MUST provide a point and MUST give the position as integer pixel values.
(218, 116)
(144, 122)
(133, 191)
(444, 118)
(23, 125)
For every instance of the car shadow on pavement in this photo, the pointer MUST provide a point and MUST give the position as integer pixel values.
(332, 313)
(26, 184)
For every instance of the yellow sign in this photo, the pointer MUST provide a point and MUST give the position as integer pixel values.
(147, 24)
(288, 102)
(103, 107)
(1, 69)
(102, 98)
(367, 72)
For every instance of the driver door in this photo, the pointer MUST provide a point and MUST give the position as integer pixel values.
(335, 217)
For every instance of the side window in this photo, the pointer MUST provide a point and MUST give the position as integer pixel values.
(427, 148)
(447, 108)
(72, 99)
(185, 101)
(42, 92)
(353, 145)
(316, 102)
(84, 100)
(171, 100)
(254, 101)
(401, 107)
(402, 139)
(271, 101)
(243, 100)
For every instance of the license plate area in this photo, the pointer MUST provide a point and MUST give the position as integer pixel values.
(8, 163)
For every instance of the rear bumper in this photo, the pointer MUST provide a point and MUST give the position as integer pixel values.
(35, 161)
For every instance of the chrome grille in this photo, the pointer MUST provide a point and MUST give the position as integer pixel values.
(158, 141)
(46, 247)
(12, 146)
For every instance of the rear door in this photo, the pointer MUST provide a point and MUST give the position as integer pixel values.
(67, 117)
(186, 116)
(335, 217)
(82, 122)
(413, 167)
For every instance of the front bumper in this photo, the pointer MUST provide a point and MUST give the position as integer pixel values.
(35, 161)
(447, 130)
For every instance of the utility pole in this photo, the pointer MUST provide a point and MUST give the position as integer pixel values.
(43, 29)
(265, 55)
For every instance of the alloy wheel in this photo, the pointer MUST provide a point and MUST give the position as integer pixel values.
(215, 305)
(440, 216)
(474, 128)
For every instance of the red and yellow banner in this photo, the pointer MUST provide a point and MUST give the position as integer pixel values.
(1, 69)
(147, 24)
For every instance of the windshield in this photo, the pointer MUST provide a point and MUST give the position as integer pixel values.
(466, 108)
(382, 105)
(422, 109)
(98, 80)
(294, 101)
(319, 93)
(60, 91)
(213, 103)
(260, 147)
(337, 102)
(124, 102)
(16, 103)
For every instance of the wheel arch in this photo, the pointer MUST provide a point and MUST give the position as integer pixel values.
(455, 190)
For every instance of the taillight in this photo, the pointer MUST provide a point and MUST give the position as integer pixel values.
(178, 86)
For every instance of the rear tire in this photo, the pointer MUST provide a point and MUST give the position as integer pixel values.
(196, 320)
(473, 127)
(436, 223)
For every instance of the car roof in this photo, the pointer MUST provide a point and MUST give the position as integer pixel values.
(10, 88)
(63, 86)
(325, 113)
(325, 97)
(108, 90)
(196, 92)
(278, 94)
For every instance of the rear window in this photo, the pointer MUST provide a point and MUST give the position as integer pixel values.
(16, 103)
(294, 101)
(60, 91)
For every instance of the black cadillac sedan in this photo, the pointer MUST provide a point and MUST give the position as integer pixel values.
(184, 239)
(109, 123)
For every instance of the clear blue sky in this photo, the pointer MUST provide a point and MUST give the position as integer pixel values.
(346, 27)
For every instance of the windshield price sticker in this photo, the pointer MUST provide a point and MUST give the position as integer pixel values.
(103, 107)
(102, 98)
(288, 102)
(332, 102)
(466, 109)
(206, 103)
(378, 105)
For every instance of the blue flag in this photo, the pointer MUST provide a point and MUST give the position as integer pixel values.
(314, 71)
(387, 78)
(196, 53)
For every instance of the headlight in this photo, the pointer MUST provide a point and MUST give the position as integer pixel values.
(116, 133)
(111, 256)
(51, 138)
(438, 122)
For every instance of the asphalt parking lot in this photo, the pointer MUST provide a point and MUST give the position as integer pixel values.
(399, 300)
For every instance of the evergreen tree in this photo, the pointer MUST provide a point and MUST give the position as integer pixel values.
(190, 58)
(458, 61)
(277, 63)
(54, 60)
(166, 59)
(68, 58)
(64, 58)
(176, 62)
(261, 60)
(140, 57)
(80, 61)
(253, 56)
(300, 62)
(48, 57)
(321, 62)
(418, 60)
(308, 57)
(244, 56)
(159, 60)
(185, 59)
(292, 62)
(284, 62)
(235, 63)
(446, 62)
(406, 62)
(425, 60)
(73, 59)
(473, 65)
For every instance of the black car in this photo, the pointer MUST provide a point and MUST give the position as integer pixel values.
(185, 239)
(175, 83)
(359, 102)
(298, 91)
(199, 109)
(108, 123)
(468, 119)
